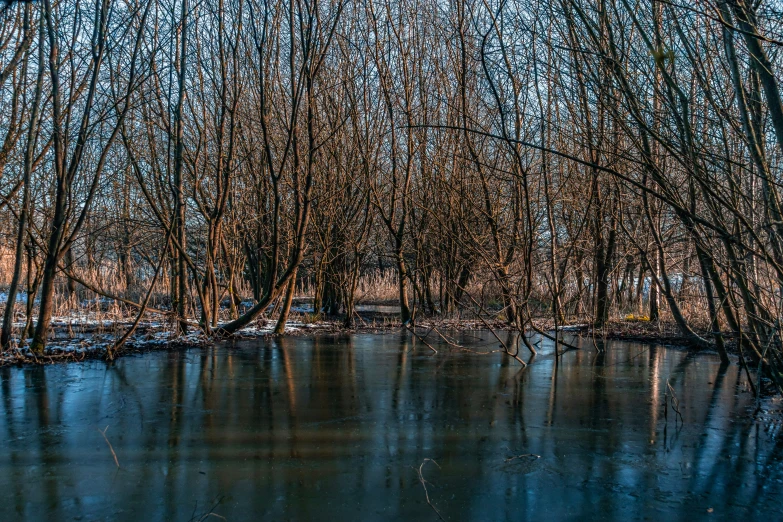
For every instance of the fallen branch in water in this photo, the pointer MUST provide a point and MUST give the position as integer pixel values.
(556, 339)
(424, 485)
(209, 513)
(503, 345)
(674, 401)
(458, 346)
(110, 448)
(523, 456)
(420, 338)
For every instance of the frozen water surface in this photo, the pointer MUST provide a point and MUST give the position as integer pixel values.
(336, 427)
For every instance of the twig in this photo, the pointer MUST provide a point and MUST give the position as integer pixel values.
(445, 339)
(420, 338)
(103, 432)
(210, 513)
(555, 339)
(523, 456)
(502, 344)
(424, 485)
(675, 402)
(458, 346)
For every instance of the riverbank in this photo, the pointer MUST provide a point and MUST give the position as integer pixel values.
(89, 336)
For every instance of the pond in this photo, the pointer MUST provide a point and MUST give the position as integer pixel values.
(338, 427)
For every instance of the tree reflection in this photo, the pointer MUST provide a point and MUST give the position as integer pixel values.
(333, 427)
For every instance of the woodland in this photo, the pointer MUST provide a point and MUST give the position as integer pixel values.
(527, 163)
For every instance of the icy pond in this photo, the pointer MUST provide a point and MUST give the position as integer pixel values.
(337, 428)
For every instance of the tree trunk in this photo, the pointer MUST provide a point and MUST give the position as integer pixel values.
(289, 298)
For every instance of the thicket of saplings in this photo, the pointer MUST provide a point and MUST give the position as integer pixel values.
(511, 160)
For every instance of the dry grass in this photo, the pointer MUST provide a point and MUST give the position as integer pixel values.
(378, 287)
(86, 311)
(6, 266)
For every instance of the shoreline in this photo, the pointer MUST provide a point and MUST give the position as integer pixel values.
(94, 337)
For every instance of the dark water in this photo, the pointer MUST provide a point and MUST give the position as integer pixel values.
(334, 429)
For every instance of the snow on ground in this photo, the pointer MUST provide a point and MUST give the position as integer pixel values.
(87, 334)
(90, 333)
(573, 327)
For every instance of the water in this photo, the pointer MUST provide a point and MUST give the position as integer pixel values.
(335, 428)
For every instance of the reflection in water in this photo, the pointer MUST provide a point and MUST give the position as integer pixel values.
(334, 427)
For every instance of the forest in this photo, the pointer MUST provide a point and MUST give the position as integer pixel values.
(528, 163)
